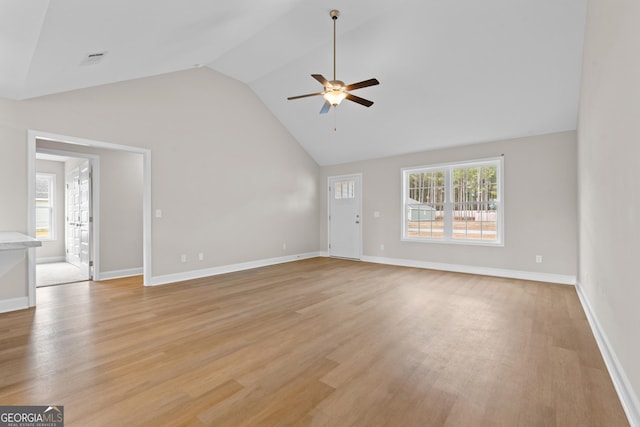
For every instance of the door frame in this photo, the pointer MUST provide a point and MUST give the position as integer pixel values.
(329, 194)
(32, 135)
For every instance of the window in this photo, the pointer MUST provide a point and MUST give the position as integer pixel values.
(45, 202)
(344, 190)
(454, 203)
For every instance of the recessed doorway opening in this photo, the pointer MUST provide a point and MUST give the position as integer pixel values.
(64, 201)
(100, 267)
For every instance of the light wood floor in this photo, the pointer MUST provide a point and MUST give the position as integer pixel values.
(321, 342)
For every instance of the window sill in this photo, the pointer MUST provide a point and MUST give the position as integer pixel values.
(453, 242)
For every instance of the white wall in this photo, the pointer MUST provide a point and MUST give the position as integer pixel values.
(13, 203)
(609, 196)
(232, 183)
(540, 208)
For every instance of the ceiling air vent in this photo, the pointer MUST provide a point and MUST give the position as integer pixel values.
(93, 58)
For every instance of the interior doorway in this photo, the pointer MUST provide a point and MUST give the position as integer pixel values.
(64, 216)
(80, 145)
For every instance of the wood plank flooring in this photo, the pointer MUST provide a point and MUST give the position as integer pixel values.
(319, 342)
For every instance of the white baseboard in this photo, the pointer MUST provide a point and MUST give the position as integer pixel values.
(48, 260)
(214, 271)
(118, 274)
(628, 398)
(13, 304)
(472, 269)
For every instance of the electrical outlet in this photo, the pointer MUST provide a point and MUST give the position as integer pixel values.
(201, 256)
(382, 246)
(183, 258)
(538, 259)
(284, 246)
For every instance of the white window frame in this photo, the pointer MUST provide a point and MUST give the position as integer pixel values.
(448, 168)
(51, 177)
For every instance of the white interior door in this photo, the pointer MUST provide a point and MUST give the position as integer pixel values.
(345, 219)
(78, 215)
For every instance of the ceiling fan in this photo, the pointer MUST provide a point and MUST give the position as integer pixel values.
(335, 90)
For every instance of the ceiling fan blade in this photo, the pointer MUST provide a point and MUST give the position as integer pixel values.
(360, 85)
(359, 100)
(304, 96)
(319, 77)
(325, 107)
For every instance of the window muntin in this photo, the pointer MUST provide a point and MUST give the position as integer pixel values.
(45, 204)
(458, 203)
(344, 190)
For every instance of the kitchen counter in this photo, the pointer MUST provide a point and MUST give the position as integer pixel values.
(12, 240)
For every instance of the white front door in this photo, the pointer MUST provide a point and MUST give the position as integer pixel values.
(78, 215)
(345, 218)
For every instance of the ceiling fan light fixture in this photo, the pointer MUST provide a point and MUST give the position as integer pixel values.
(334, 92)
(335, 96)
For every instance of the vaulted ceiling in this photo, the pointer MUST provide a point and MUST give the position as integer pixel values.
(451, 72)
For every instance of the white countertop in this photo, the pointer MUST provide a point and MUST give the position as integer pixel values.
(12, 240)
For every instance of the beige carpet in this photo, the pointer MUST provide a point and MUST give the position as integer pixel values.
(56, 273)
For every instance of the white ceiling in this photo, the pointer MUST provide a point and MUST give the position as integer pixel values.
(451, 72)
